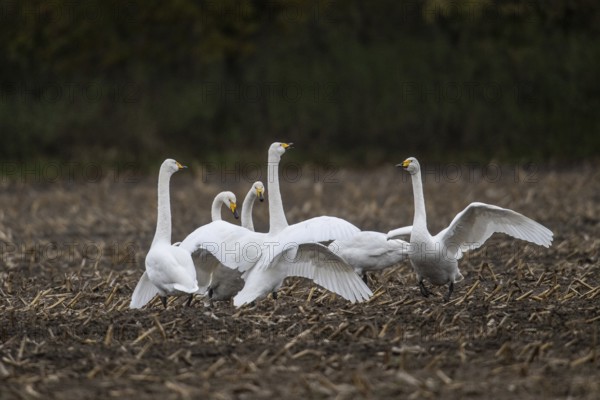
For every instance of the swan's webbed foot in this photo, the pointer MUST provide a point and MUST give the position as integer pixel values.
(163, 300)
(424, 291)
(274, 294)
(188, 303)
(450, 290)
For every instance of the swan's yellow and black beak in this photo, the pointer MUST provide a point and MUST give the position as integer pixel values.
(179, 165)
(404, 164)
(287, 145)
(233, 208)
(259, 194)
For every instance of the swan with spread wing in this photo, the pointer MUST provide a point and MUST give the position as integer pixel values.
(435, 258)
(266, 259)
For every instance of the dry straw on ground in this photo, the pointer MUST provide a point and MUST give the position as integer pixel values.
(523, 324)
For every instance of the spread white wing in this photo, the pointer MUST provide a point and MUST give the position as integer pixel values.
(315, 261)
(476, 223)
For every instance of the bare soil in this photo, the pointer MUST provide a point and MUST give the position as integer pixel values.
(523, 324)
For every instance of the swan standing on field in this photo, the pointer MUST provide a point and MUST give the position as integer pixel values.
(370, 251)
(267, 259)
(435, 258)
(226, 282)
(169, 269)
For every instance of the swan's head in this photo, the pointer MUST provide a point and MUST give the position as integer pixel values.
(411, 165)
(259, 189)
(171, 166)
(279, 148)
(229, 200)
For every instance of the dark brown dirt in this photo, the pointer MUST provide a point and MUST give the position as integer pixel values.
(523, 324)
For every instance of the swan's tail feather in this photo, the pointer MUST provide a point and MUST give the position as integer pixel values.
(143, 292)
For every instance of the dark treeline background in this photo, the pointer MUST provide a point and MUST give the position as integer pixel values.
(350, 81)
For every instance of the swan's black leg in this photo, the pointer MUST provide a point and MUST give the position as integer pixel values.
(423, 289)
(364, 278)
(211, 292)
(189, 300)
(274, 294)
(163, 300)
(450, 290)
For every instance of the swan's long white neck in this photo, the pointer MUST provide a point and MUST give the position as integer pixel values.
(420, 218)
(163, 220)
(247, 209)
(215, 210)
(277, 220)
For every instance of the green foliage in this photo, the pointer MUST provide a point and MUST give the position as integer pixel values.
(350, 81)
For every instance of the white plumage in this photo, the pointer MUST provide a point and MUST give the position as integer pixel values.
(169, 269)
(370, 251)
(435, 258)
(226, 282)
(267, 259)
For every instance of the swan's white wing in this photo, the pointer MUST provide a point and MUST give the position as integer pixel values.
(318, 229)
(315, 261)
(144, 292)
(188, 269)
(171, 269)
(368, 250)
(233, 246)
(476, 223)
(404, 231)
(313, 230)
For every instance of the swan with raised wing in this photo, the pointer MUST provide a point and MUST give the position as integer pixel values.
(435, 258)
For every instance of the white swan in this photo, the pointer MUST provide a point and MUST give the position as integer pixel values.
(256, 191)
(224, 283)
(435, 258)
(277, 220)
(227, 199)
(169, 269)
(210, 273)
(267, 259)
(370, 251)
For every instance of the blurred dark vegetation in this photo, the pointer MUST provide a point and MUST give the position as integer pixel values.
(349, 81)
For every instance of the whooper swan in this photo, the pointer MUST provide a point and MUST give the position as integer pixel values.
(226, 282)
(169, 269)
(267, 259)
(435, 258)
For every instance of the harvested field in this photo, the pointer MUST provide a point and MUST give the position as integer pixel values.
(523, 324)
